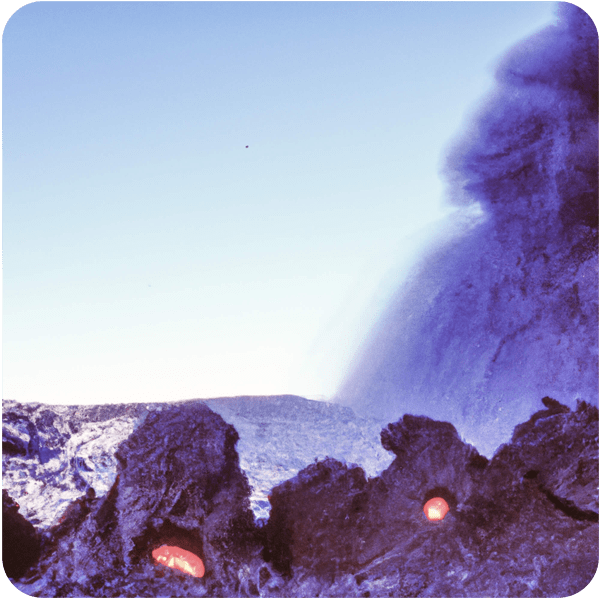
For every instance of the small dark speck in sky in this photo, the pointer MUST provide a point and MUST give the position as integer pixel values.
(246, 146)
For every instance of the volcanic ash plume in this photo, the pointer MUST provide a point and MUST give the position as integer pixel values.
(506, 313)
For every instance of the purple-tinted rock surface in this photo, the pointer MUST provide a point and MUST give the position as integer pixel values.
(279, 436)
(178, 483)
(523, 524)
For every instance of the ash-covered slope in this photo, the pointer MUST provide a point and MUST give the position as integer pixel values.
(506, 313)
(280, 435)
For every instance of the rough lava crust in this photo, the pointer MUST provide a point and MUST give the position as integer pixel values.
(524, 523)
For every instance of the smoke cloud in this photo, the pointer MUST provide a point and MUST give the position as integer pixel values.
(506, 312)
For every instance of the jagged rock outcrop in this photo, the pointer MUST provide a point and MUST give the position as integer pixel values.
(524, 523)
(178, 483)
(313, 520)
(558, 449)
(61, 463)
(509, 532)
(20, 540)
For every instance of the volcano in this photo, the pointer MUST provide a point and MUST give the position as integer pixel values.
(466, 464)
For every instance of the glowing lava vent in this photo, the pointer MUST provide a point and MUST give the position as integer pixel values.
(179, 559)
(436, 509)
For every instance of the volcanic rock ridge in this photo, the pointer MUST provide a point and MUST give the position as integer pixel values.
(524, 523)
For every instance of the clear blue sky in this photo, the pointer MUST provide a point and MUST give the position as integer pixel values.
(148, 255)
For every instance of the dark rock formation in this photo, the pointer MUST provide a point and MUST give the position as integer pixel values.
(178, 483)
(20, 541)
(558, 449)
(279, 436)
(507, 312)
(313, 520)
(523, 524)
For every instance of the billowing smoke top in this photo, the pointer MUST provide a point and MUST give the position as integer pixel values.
(506, 313)
(543, 111)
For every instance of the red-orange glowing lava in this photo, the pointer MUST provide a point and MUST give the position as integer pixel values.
(179, 559)
(436, 509)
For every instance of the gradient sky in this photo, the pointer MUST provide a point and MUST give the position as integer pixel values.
(148, 255)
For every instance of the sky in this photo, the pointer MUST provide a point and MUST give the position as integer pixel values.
(216, 199)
